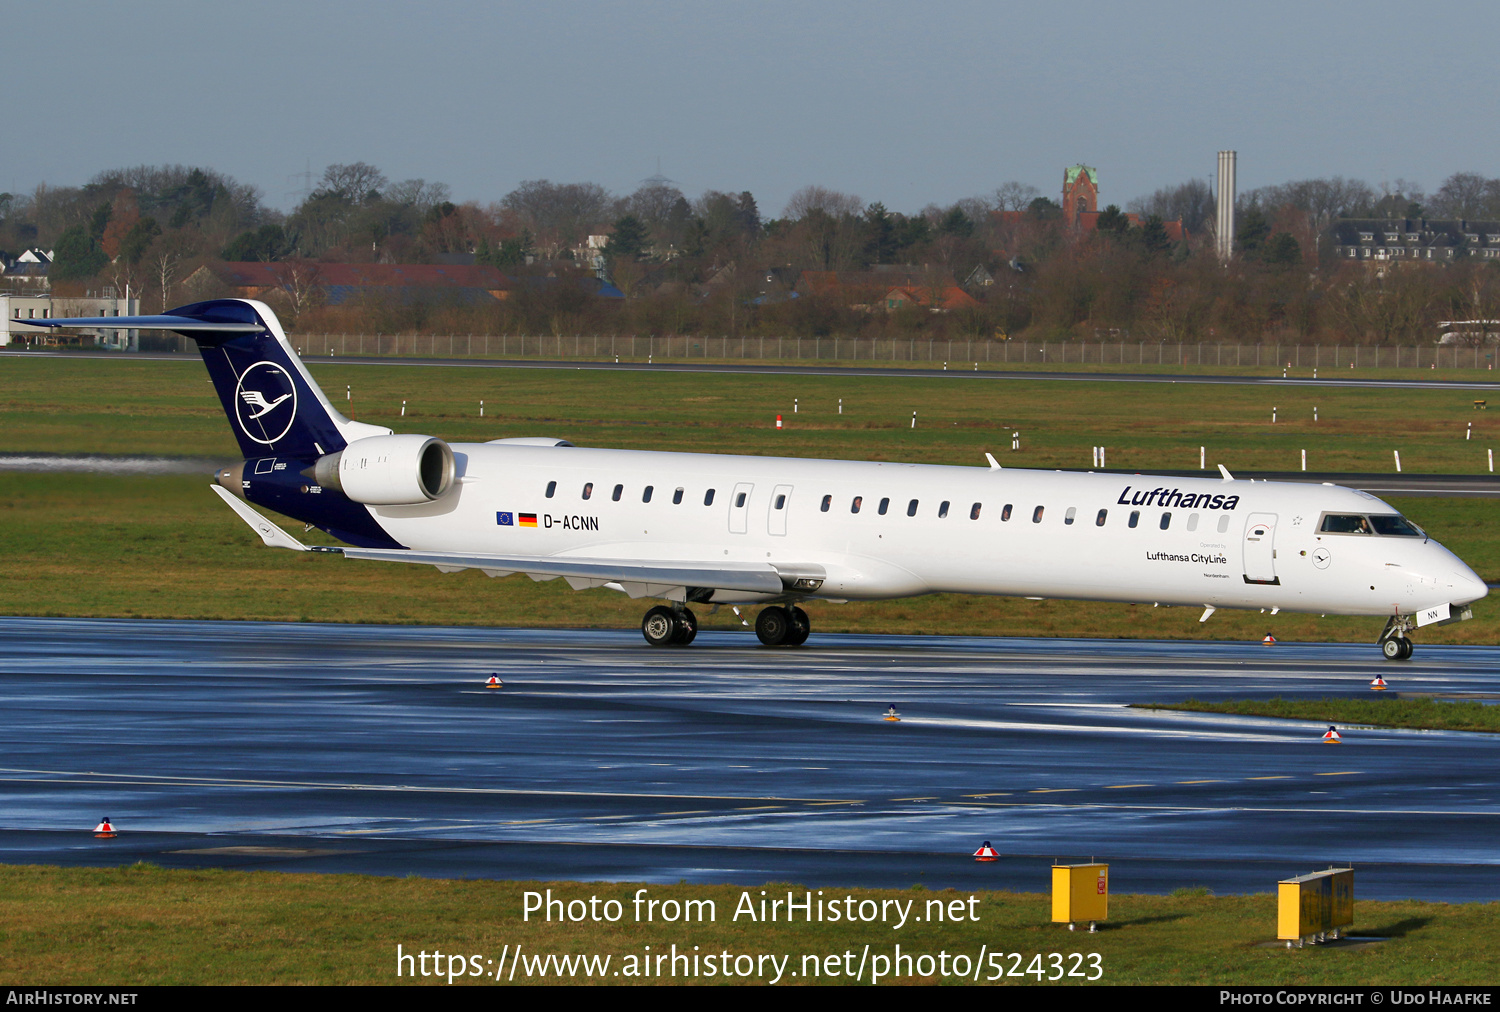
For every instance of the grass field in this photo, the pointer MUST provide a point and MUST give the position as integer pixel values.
(95, 545)
(1378, 711)
(149, 926)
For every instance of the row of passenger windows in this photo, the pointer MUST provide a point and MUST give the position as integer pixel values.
(1071, 515)
(650, 490)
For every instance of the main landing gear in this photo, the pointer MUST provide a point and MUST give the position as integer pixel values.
(1395, 645)
(669, 627)
(782, 627)
(776, 626)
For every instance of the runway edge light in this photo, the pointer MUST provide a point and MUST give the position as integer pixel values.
(891, 714)
(494, 682)
(1331, 736)
(105, 831)
(1269, 641)
(1378, 683)
(986, 853)
(1080, 892)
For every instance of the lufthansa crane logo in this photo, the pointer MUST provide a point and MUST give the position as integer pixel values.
(265, 402)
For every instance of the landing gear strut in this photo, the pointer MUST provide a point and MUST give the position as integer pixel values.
(674, 627)
(1395, 645)
(782, 627)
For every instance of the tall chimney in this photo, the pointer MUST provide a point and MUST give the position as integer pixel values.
(1224, 228)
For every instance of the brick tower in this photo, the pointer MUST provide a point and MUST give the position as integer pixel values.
(1080, 192)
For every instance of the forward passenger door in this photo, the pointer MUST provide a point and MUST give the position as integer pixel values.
(1260, 548)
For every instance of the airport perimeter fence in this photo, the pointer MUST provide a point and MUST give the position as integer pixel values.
(959, 354)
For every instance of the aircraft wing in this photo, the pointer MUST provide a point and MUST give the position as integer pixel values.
(638, 579)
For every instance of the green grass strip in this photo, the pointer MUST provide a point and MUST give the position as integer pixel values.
(1424, 713)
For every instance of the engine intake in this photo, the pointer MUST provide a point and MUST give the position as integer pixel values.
(389, 470)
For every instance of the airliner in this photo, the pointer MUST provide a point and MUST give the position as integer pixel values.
(696, 529)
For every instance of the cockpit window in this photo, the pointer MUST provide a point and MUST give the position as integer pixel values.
(1343, 523)
(1395, 526)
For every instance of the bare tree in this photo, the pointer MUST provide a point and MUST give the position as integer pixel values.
(819, 198)
(418, 194)
(1015, 196)
(1467, 195)
(1191, 201)
(299, 281)
(358, 182)
(559, 214)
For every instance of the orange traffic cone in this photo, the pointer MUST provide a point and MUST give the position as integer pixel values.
(986, 853)
(891, 714)
(1331, 736)
(494, 683)
(104, 830)
(1269, 641)
(1378, 683)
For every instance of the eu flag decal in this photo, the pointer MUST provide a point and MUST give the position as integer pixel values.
(505, 520)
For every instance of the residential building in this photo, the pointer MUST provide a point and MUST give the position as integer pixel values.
(1414, 240)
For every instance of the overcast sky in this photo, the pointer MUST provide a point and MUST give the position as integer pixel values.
(899, 102)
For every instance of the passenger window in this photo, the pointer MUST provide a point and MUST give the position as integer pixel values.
(619, 491)
(677, 497)
(827, 502)
(885, 504)
(854, 506)
(551, 489)
(780, 501)
(646, 493)
(1099, 520)
(708, 497)
(739, 501)
(1005, 513)
(1036, 515)
(1166, 521)
(974, 512)
(1224, 523)
(911, 508)
(1070, 516)
(1135, 518)
(1192, 521)
(588, 489)
(943, 510)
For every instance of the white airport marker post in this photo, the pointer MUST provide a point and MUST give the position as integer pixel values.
(1273, 416)
(794, 405)
(1398, 460)
(914, 419)
(481, 407)
(841, 405)
(403, 409)
(1315, 412)
(1101, 456)
(1202, 459)
(1304, 460)
(1492, 460)
(1015, 440)
(1469, 433)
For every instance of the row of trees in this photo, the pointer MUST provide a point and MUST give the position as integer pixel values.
(716, 264)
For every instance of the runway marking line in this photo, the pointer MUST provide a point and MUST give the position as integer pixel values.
(696, 811)
(1118, 787)
(815, 804)
(758, 808)
(1347, 773)
(995, 794)
(1055, 790)
(933, 798)
(1202, 781)
(1269, 778)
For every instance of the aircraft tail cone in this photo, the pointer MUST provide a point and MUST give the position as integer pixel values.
(1331, 736)
(105, 831)
(986, 853)
(494, 683)
(1269, 641)
(1378, 683)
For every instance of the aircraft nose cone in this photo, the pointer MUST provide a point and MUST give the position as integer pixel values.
(1468, 585)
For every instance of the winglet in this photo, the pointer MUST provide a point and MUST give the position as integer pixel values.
(272, 535)
(994, 464)
(1225, 472)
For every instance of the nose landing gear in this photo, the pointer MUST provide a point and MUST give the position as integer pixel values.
(1395, 645)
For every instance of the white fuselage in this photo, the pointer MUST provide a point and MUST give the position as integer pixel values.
(1257, 545)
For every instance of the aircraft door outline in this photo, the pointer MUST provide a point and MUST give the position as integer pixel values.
(1260, 549)
(739, 508)
(776, 510)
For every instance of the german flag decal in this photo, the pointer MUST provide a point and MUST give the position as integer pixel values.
(527, 519)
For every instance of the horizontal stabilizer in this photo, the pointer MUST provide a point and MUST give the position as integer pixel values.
(181, 324)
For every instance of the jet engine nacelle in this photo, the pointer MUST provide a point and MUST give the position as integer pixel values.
(389, 470)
